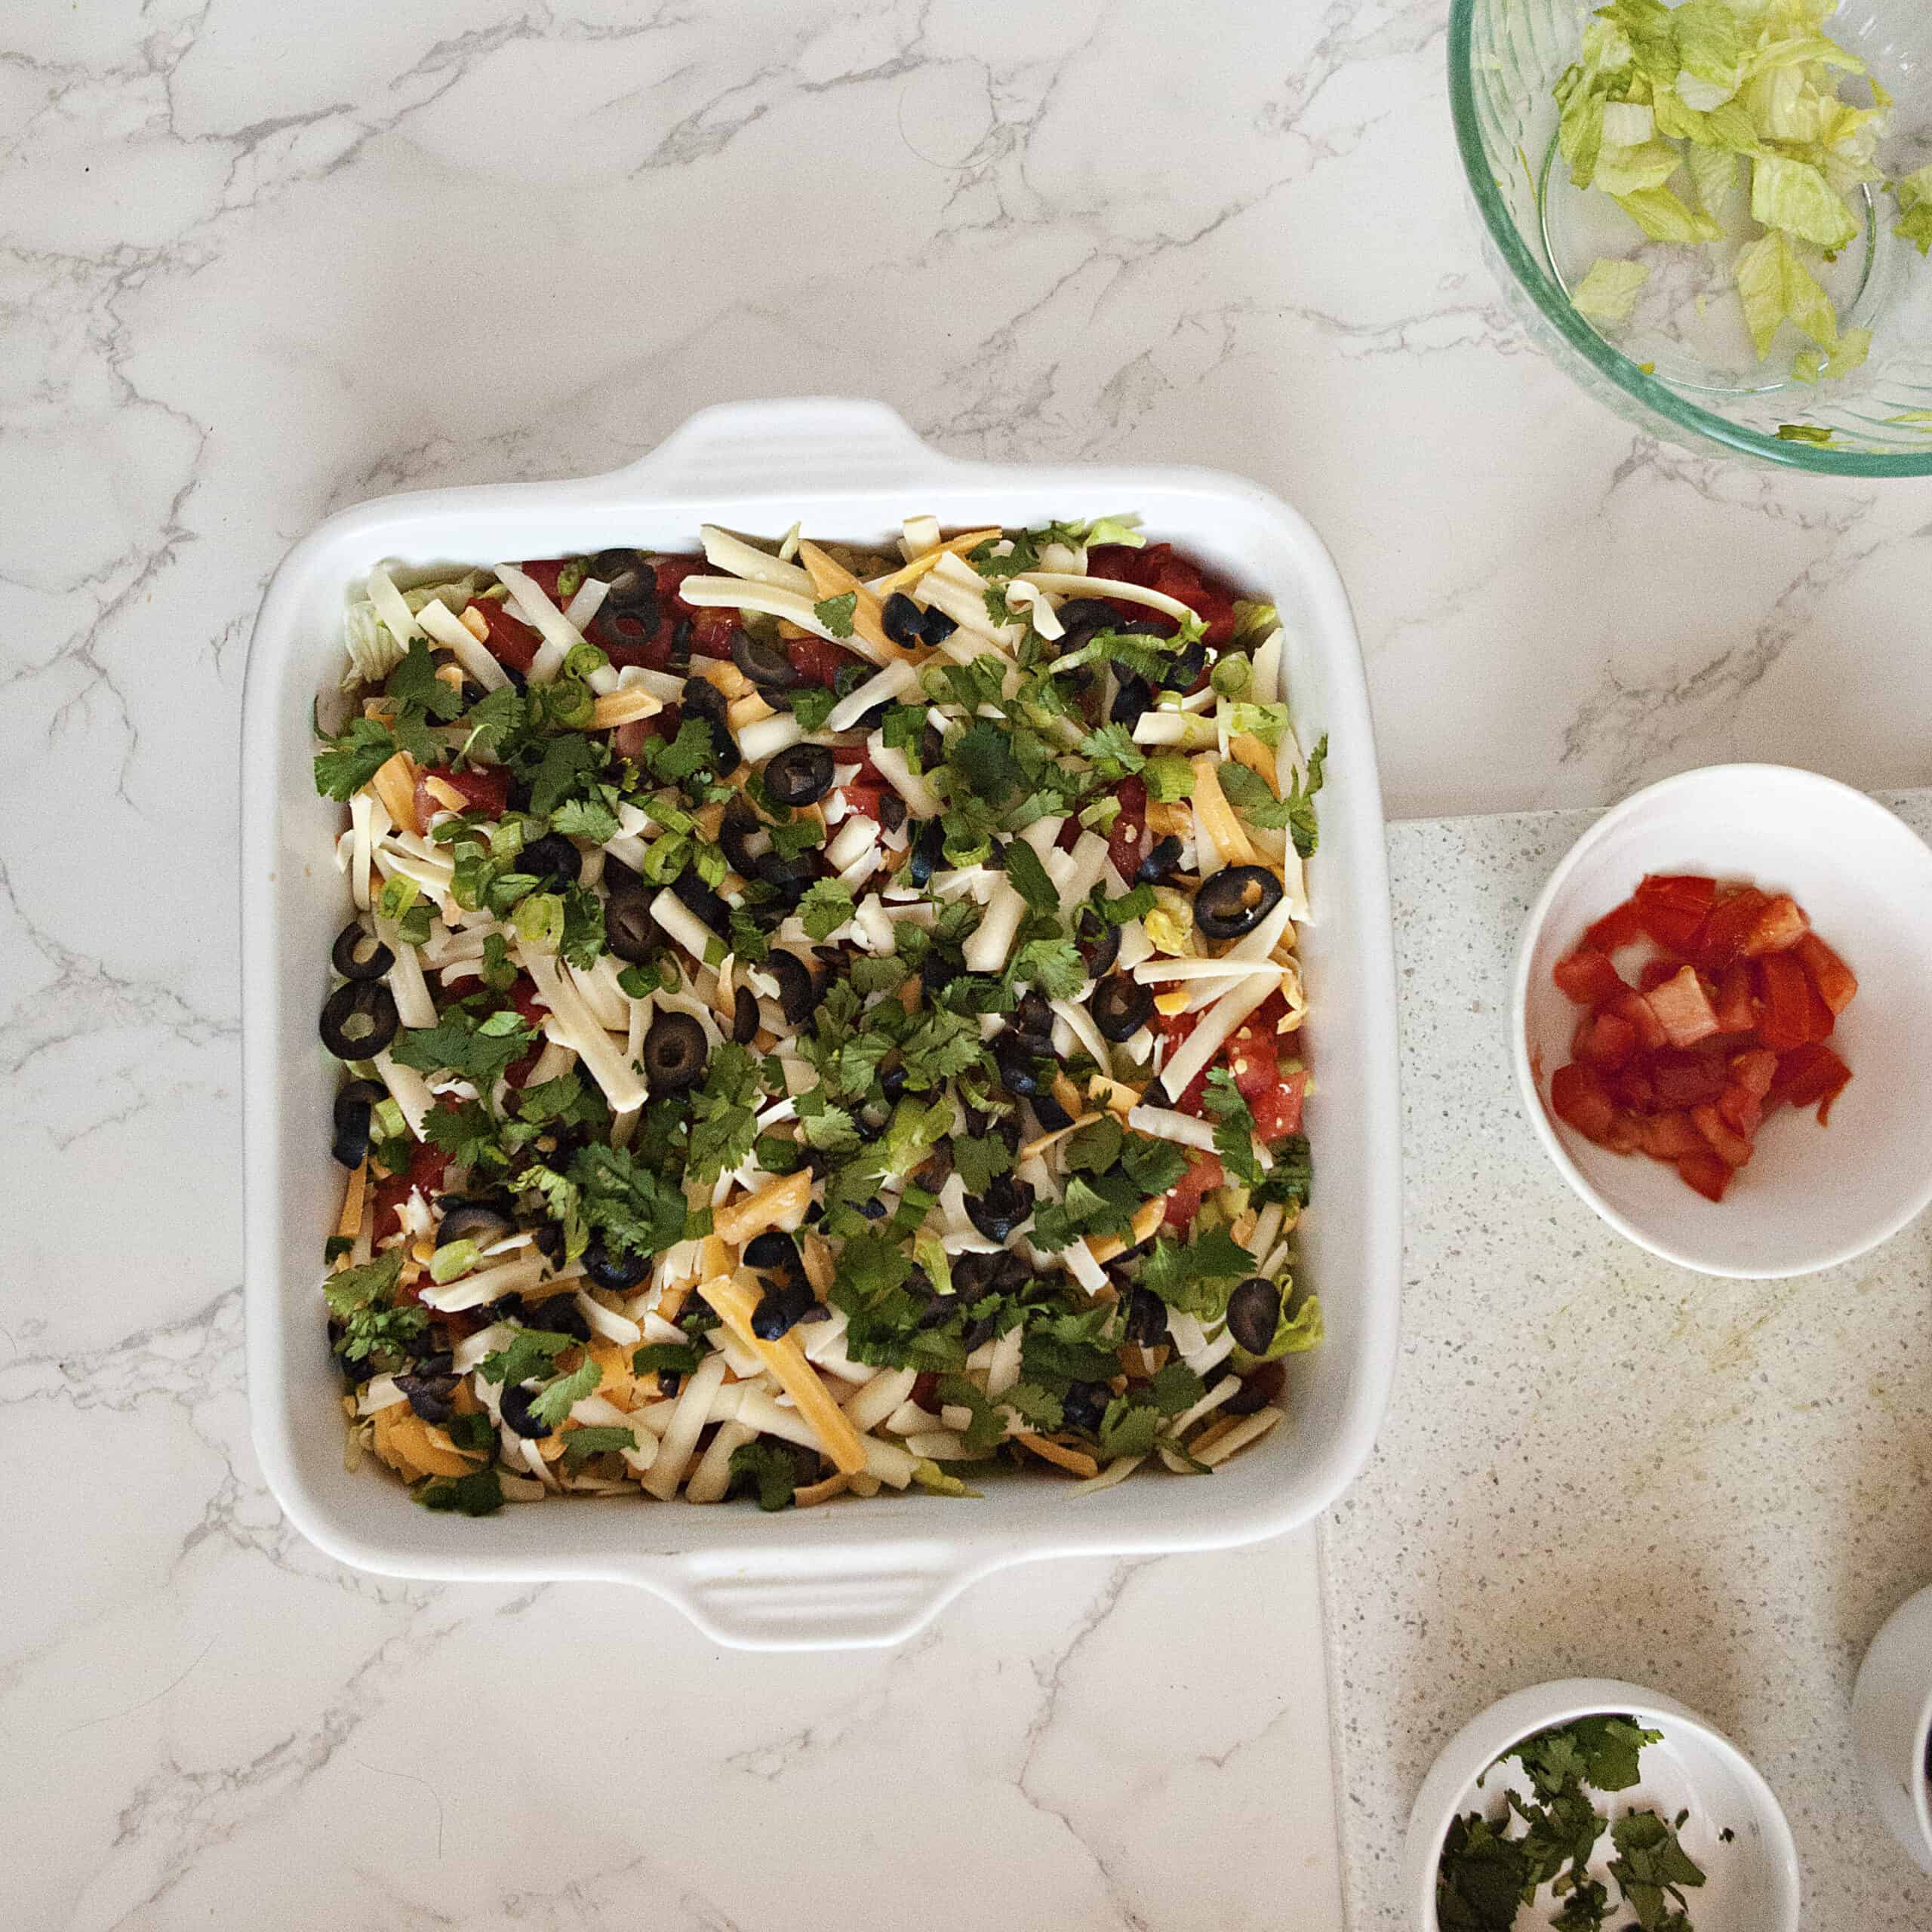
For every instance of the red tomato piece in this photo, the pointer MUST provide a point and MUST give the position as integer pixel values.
(1672, 907)
(863, 799)
(1581, 1099)
(512, 643)
(1707, 1173)
(1736, 1011)
(1633, 1086)
(1656, 973)
(1587, 977)
(1626, 1132)
(1251, 1057)
(816, 660)
(482, 791)
(1808, 1073)
(1684, 1008)
(1670, 1136)
(1615, 930)
(544, 572)
(1729, 1146)
(1203, 1176)
(1836, 984)
(1731, 921)
(1632, 1005)
(424, 1175)
(1688, 1080)
(1779, 928)
(1121, 561)
(1126, 841)
(1742, 1110)
(1278, 1113)
(1604, 1040)
(1756, 1071)
(1791, 1012)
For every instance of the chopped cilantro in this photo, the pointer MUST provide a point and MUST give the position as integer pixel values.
(350, 761)
(667, 1358)
(478, 1494)
(1028, 877)
(835, 613)
(1198, 1277)
(585, 818)
(826, 908)
(811, 706)
(361, 1298)
(477, 1052)
(766, 1466)
(723, 1125)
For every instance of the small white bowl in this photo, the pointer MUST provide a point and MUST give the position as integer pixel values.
(1751, 1882)
(1891, 1717)
(1811, 1197)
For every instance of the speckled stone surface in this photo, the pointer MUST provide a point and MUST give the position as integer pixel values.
(1597, 1464)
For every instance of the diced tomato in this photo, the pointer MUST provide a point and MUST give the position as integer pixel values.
(1278, 1113)
(1633, 1086)
(1780, 926)
(544, 572)
(512, 642)
(1808, 1073)
(1632, 1005)
(1670, 1136)
(1587, 977)
(1729, 1146)
(1688, 1080)
(1251, 1057)
(862, 798)
(1127, 840)
(1121, 561)
(1683, 1009)
(816, 660)
(1731, 921)
(1657, 973)
(424, 1175)
(1737, 1013)
(1791, 1012)
(1707, 1173)
(1625, 1132)
(484, 791)
(1580, 1099)
(1672, 907)
(1203, 1176)
(1604, 1040)
(1615, 930)
(1836, 983)
(1742, 1110)
(523, 998)
(1756, 1071)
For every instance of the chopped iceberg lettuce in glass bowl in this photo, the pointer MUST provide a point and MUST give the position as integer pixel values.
(1716, 216)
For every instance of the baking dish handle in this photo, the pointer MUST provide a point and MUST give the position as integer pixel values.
(834, 1599)
(810, 446)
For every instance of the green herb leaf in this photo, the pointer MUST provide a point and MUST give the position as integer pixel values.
(479, 1493)
(349, 761)
(768, 1467)
(826, 908)
(835, 613)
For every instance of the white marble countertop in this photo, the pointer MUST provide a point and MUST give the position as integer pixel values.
(261, 261)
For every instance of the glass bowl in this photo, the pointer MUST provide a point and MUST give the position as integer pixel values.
(1683, 367)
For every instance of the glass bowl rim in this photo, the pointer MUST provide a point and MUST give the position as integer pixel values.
(1611, 363)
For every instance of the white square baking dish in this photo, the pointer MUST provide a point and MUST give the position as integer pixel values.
(853, 1574)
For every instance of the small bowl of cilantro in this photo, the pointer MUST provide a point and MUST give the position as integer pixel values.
(1590, 1805)
(1715, 215)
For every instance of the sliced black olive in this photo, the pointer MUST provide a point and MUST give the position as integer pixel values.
(981, 1332)
(1255, 1312)
(516, 1406)
(1018, 1067)
(744, 1021)
(932, 746)
(632, 583)
(354, 1107)
(1084, 1406)
(675, 1053)
(784, 1304)
(1236, 900)
(1006, 1203)
(1034, 1017)
(1121, 1007)
(1088, 615)
(1259, 1387)
(1182, 671)
(357, 954)
(619, 880)
(790, 878)
(1051, 1115)
(891, 811)
(892, 1082)
(1134, 697)
(547, 1238)
(928, 851)
(617, 1269)
(903, 620)
(359, 1019)
(703, 698)
(935, 626)
(741, 836)
(873, 1210)
(774, 1252)
(552, 860)
(482, 1222)
(798, 987)
(559, 1314)
(799, 775)
(629, 930)
(1146, 1318)
(432, 1397)
(631, 629)
(696, 897)
(763, 660)
(1161, 862)
(1098, 939)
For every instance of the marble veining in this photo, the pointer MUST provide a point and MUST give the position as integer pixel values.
(258, 262)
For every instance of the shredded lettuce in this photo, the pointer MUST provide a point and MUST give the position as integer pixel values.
(1813, 365)
(1775, 287)
(1914, 199)
(1608, 294)
(1792, 196)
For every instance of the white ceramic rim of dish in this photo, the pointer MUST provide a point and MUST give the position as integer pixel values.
(1540, 1707)
(1880, 1667)
(1531, 1093)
